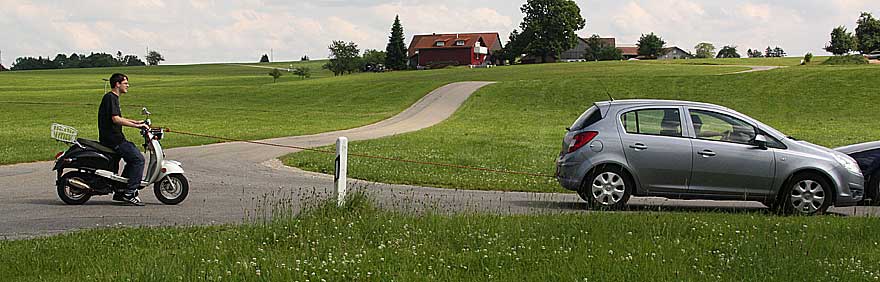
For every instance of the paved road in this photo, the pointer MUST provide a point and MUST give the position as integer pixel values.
(235, 182)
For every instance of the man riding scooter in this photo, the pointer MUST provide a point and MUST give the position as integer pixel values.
(110, 122)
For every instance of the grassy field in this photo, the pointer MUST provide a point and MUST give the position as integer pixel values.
(235, 101)
(786, 61)
(518, 124)
(362, 243)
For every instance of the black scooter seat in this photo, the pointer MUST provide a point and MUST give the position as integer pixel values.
(95, 145)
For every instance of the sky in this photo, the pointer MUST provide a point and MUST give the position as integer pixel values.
(203, 31)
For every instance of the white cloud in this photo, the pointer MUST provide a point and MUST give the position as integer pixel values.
(223, 31)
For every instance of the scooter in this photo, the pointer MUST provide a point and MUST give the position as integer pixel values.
(91, 168)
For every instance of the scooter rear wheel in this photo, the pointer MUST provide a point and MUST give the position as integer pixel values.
(68, 193)
(172, 189)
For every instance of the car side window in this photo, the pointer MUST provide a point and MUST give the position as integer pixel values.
(664, 122)
(721, 127)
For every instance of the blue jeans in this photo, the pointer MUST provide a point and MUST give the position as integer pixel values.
(134, 166)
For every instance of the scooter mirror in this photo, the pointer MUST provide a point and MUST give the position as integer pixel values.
(144, 111)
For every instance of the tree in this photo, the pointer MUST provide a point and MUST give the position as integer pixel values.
(344, 57)
(73, 61)
(754, 53)
(375, 57)
(705, 50)
(600, 51)
(60, 61)
(304, 58)
(868, 33)
(275, 73)
(303, 72)
(99, 60)
(549, 27)
(131, 61)
(512, 50)
(264, 58)
(778, 52)
(650, 45)
(842, 42)
(395, 51)
(153, 58)
(728, 52)
(774, 52)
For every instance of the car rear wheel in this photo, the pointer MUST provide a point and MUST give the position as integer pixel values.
(807, 194)
(609, 188)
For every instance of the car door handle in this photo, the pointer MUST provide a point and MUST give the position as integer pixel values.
(639, 146)
(707, 153)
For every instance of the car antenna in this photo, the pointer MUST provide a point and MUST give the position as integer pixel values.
(605, 87)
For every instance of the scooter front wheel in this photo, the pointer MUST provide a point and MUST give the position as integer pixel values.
(172, 189)
(70, 194)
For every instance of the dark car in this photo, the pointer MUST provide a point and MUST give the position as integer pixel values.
(873, 55)
(868, 157)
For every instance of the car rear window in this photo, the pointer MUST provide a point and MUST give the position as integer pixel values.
(664, 122)
(591, 116)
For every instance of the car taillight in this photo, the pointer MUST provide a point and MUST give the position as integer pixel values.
(582, 139)
(58, 155)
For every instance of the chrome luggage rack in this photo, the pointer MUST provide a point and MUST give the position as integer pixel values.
(64, 133)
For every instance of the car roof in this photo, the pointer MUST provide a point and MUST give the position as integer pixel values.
(657, 102)
(861, 147)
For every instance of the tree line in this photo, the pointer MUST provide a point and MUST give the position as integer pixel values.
(93, 60)
(345, 57)
(865, 40)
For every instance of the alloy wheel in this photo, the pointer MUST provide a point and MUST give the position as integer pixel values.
(807, 196)
(608, 188)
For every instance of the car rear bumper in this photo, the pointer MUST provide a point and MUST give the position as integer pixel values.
(567, 174)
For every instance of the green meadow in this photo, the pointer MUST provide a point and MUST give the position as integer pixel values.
(360, 242)
(240, 102)
(518, 124)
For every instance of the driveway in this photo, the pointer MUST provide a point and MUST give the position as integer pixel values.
(237, 181)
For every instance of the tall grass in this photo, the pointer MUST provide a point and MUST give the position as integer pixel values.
(360, 242)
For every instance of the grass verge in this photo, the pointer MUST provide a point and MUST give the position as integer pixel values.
(360, 242)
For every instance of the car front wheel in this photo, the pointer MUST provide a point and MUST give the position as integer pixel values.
(807, 194)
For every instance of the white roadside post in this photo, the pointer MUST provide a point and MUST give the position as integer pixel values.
(341, 169)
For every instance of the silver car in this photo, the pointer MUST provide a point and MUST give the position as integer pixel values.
(690, 150)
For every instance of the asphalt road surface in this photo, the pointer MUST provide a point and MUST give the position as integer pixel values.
(238, 182)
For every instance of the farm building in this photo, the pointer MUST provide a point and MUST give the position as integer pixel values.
(454, 49)
(628, 51)
(577, 53)
(674, 52)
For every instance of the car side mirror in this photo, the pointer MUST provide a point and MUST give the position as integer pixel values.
(760, 141)
(144, 111)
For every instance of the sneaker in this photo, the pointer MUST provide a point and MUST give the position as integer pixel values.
(133, 200)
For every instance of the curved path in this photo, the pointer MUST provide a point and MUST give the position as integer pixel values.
(235, 182)
(755, 69)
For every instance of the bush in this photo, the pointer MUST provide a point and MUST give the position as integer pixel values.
(847, 60)
(808, 58)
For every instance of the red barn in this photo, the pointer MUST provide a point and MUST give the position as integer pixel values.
(453, 49)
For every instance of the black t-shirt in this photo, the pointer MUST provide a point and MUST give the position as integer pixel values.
(109, 132)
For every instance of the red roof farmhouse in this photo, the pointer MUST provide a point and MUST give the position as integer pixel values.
(453, 49)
